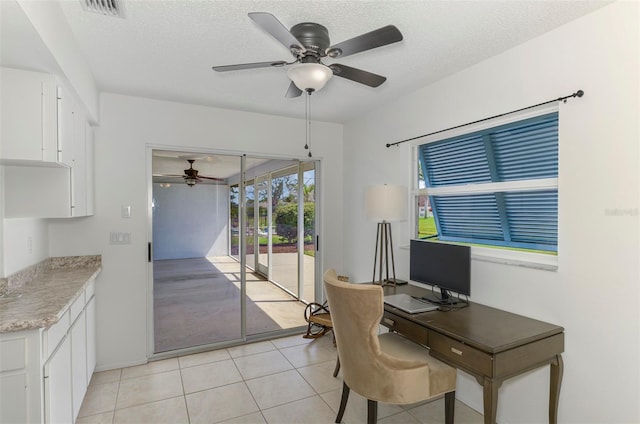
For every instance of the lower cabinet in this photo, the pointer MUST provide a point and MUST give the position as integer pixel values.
(44, 373)
(14, 391)
(91, 337)
(57, 385)
(78, 362)
(13, 381)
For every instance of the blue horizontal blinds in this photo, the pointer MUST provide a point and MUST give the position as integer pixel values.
(520, 151)
(468, 217)
(456, 161)
(527, 151)
(533, 217)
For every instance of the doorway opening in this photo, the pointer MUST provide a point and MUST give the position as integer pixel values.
(256, 211)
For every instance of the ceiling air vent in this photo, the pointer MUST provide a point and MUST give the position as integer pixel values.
(113, 8)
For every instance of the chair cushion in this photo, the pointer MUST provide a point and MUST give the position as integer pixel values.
(442, 377)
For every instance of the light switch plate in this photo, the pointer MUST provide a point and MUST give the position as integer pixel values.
(119, 238)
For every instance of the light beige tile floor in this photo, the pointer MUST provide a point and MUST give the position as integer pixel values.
(283, 381)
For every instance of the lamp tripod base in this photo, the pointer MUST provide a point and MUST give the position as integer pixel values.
(395, 282)
(383, 257)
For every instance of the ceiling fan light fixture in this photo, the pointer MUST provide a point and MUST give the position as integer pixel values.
(309, 76)
(190, 181)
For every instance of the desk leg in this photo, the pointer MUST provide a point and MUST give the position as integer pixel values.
(490, 389)
(557, 369)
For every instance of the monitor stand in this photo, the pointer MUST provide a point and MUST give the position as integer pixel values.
(445, 298)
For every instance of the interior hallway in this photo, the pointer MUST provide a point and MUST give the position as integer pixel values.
(197, 302)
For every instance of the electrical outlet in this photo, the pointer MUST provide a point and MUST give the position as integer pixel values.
(29, 244)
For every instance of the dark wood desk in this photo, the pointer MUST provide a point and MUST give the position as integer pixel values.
(488, 343)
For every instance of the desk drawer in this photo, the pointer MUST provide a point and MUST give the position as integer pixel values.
(410, 330)
(460, 354)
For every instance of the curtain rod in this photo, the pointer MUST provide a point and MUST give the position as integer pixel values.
(578, 93)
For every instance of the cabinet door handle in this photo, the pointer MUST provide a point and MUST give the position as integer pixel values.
(456, 351)
(389, 321)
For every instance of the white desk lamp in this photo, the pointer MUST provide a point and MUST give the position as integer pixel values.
(385, 204)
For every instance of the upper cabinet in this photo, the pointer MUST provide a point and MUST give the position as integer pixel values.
(90, 168)
(46, 147)
(29, 113)
(66, 127)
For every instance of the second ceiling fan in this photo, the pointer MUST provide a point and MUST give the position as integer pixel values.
(309, 43)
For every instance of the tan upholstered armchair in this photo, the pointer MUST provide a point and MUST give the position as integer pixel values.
(382, 368)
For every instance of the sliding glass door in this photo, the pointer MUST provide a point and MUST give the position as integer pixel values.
(233, 254)
(196, 280)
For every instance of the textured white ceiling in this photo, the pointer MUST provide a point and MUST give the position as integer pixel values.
(165, 49)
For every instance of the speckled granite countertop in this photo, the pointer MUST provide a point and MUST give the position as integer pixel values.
(36, 297)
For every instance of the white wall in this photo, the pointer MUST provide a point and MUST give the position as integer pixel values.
(128, 125)
(594, 293)
(25, 242)
(190, 222)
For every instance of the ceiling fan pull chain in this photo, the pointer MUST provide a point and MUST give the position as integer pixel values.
(306, 122)
(309, 120)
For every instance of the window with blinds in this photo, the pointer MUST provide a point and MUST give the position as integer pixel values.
(497, 187)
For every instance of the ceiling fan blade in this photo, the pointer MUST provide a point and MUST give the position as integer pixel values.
(273, 26)
(293, 91)
(167, 175)
(200, 177)
(376, 38)
(357, 75)
(242, 66)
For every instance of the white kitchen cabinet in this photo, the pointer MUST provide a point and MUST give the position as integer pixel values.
(14, 389)
(29, 113)
(79, 165)
(43, 144)
(29, 116)
(90, 168)
(91, 336)
(78, 362)
(13, 380)
(44, 373)
(65, 125)
(57, 385)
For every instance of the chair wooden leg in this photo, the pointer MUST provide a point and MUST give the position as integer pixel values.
(337, 369)
(449, 407)
(343, 401)
(372, 411)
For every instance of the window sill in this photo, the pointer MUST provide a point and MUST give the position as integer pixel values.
(512, 257)
(515, 258)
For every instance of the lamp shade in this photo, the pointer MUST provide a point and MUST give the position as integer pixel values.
(386, 203)
(309, 76)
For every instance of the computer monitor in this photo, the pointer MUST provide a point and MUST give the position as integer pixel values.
(446, 266)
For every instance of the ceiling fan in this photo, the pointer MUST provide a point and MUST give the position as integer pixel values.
(191, 176)
(309, 44)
